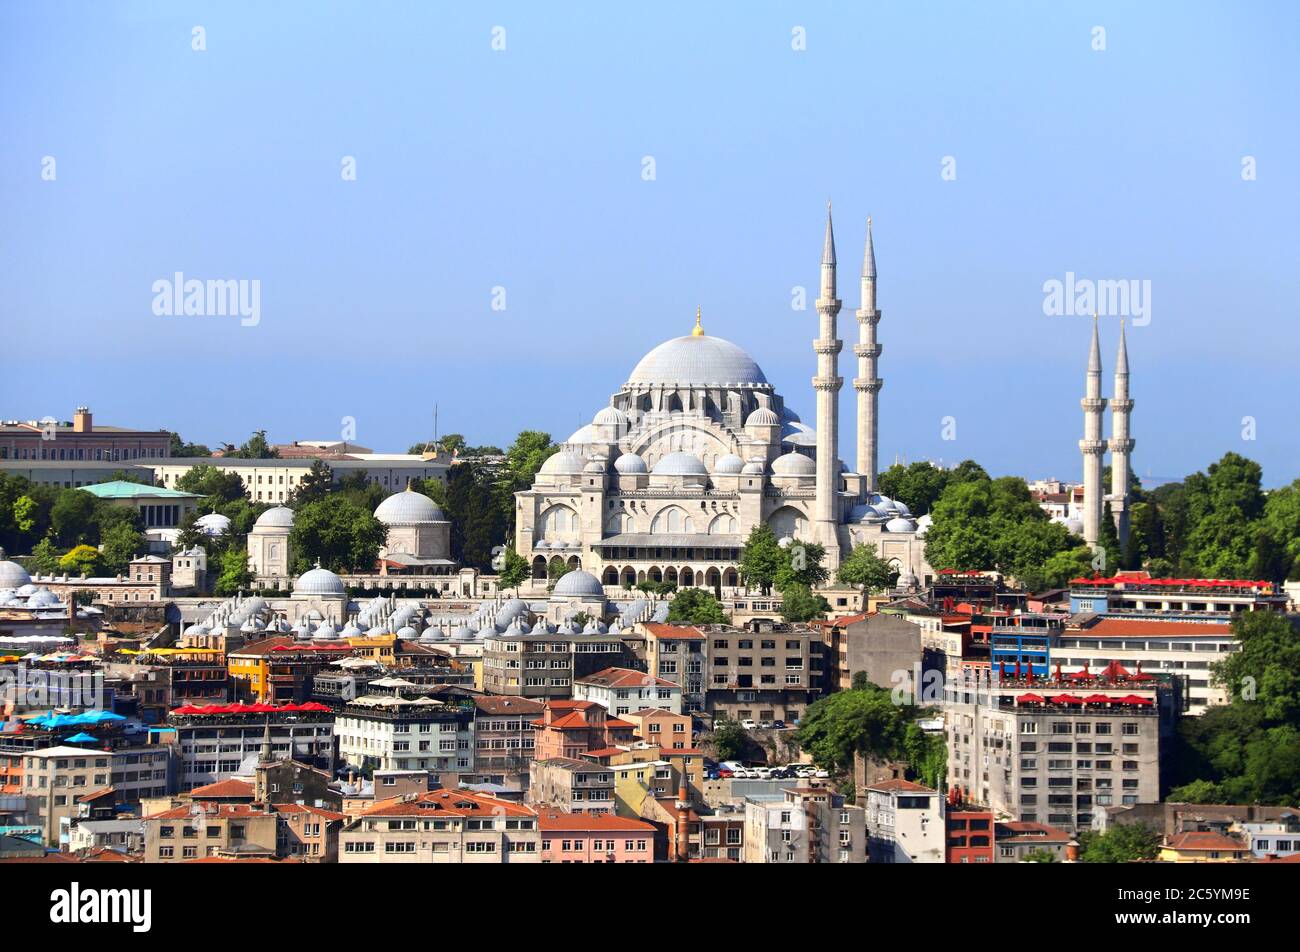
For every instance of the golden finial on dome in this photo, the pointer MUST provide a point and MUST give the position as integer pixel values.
(698, 331)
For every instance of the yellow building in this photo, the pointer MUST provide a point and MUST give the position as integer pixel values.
(1203, 848)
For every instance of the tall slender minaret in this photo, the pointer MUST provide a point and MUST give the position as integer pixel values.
(1121, 444)
(1092, 445)
(827, 387)
(867, 384)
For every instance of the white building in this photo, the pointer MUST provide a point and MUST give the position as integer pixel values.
(622, 691)
(905, 823)
(396, 733)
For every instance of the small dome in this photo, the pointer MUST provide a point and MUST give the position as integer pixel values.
(563, 463)
(12, 575)
(629, 464)
(794, 464)
(582, 436)
(899, 524)
(197, 629)
(213, 524)
(610, 416)
(763, 417)
(597, 464)
(509, 611)
(578, 584)
(407, 633)
(728, 465)
(43, 599)
(408, 507)
(680, 464)
(319, 581)
(753, 468)
(277, 517)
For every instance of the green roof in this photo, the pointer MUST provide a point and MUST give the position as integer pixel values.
(122, 489)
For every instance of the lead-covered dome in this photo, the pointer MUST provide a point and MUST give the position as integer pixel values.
(794, 464)
(319, 581)
(629, 464)
(277, 517)
(407, 507)
(563, 463)
(728, 465)
(578, 584)
(699, 361)
(12, 575)
(680, 464)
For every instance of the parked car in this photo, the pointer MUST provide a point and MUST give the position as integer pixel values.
(778, 725)
(749, 724)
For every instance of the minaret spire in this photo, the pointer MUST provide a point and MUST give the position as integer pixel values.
(867, 384)
(1121, 444)
(827, 385)
(1092, 445)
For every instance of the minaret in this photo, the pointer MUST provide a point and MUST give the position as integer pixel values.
(1121, 444)
(867, 384)
(1092, 445)
(827, 387)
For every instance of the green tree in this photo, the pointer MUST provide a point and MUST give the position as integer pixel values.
(235, 575)
(72, 517)
(1039, 856)
(119, 545)
(800, 603)
(514, 569)
(256, 447)
(866, 721)
(761, 559)
(216, 486)
(24, 513)
(1128, 843)
(45, 557)
(918, 485)
(801, 564)
(864, 567)
(730, 740)
(315, 484)
(337, 533)
(81, 560)
(180, 448)
(695, 606)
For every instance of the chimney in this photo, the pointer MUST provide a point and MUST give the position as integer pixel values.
(81, 420)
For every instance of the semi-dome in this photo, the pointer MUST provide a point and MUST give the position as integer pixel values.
(794, 464)
(563, 463)
(610, 416)
(728, 465)
(680, 464)
(699, 361)
(277, 517)
(319, 581)
(12, 575)
(408, 507)
(629, 464)
(578, 584)
(763, 417)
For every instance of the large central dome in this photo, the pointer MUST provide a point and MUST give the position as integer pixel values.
(698, 361)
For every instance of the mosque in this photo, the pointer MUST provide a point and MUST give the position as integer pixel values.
(697, 448)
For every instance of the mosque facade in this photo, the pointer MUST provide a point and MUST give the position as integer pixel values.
(697, 448)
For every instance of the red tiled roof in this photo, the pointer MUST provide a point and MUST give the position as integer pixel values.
(558, 821)
(660, 630)
(1017, 830)
(448, 803)
(211, 811)
(1204, 841)
(304, 808)
(623, 678)
(1122, 627)
(96, 794)
(223, 789)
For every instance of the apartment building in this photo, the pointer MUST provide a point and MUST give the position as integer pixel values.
(396, 733)
(55, 780)
(575, 786)
(200, 830)
(623, 690)
(504, 737)
(765, 674)
(443, 826)
(544, 666)
(905, 823)
(676, 653)
(804, 825)
(219, 741)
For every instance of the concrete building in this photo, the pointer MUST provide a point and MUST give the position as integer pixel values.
(1016, 840)
(574, 786)
(804, 825)
(676, 653)
(764, 675)
(543, 665)
(203, 830)
(589, 838)
(220, 741)
(397, 733)
(905, 823)
(81, 440)
(504, 737)
(623, 690)
(443, 826)
(1057, 752)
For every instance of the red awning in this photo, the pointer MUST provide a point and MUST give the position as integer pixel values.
(1030, 699)
(1067, 699)
(1134, 699)
(1097, 699)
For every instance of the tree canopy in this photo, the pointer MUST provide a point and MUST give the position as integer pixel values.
(864, 567)
(695, 606)
(338, 533)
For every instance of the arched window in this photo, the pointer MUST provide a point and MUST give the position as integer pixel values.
(672, 519)
(788, 521)
(724, 524)
(558, 523)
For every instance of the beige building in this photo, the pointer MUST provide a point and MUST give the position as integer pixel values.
(905, 823)
(443, 826)
(804, 825)
(201, 830)
(274, 480)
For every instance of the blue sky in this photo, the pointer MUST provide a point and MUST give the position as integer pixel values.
(522, 169)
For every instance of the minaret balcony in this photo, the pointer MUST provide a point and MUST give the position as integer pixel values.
(832, 346)
(868, 385)
(827, 383)
(1093, 404)
(1093, 447)
(1122, 446)
(1121, 406)
(867, 350)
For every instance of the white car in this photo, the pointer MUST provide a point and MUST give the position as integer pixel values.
(749, 724)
